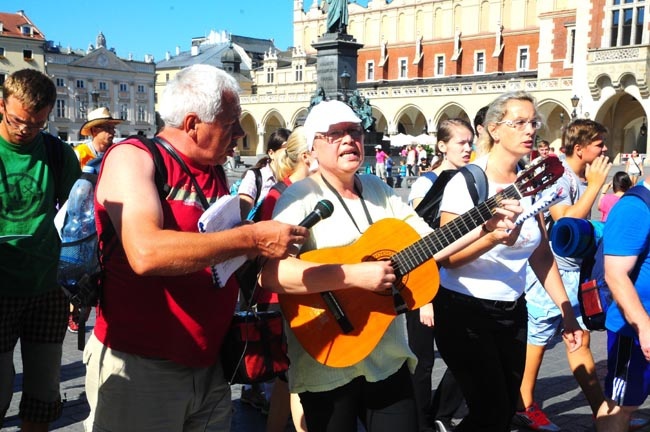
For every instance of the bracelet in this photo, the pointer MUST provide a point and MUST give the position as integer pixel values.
(485, 229)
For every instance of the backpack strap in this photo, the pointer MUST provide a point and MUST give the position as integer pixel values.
(160, 176)
(258, 182)
(280, 187)
(477, 182)
(172, 152)
(54, 159)
(429, 207)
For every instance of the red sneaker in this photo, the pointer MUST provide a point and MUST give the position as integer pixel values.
(73, 322)
(534, 418)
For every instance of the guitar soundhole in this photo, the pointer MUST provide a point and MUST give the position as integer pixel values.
(384, 255)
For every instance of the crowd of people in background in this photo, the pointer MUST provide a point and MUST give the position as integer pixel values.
(152, 358)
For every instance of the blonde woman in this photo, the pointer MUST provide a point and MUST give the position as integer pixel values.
(480, 309)
(295, 164)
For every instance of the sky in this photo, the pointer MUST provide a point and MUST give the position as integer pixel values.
(144, 27)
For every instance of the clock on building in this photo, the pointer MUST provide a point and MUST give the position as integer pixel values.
(102, 60)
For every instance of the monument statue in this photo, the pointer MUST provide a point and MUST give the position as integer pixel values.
(337, 16)
(319, 96)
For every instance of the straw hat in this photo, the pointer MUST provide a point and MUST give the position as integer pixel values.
(97, 117)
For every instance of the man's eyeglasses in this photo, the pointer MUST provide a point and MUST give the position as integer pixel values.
(521, 124)
(335, 136)
(22, 126)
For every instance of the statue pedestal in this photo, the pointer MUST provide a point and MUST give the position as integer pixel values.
(336, 53)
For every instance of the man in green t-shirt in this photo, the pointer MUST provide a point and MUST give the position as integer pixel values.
(32, 305)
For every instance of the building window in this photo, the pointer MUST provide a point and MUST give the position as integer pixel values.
(60, 108)
(103, 86)
(60, 82)
(2, 52)
(270, 75)
(627, 22)
(440, 65)
(479, 62)
(26, 30)
(299, 70)
(403, 67)
(166, 77)
(141, 113)
(80, 84)
(28, 54)
(523, 59)
(140, 88)
(124, 112)
(82, 107)
(570, 45)
(3, 77)
(124, 87)
(370, 71)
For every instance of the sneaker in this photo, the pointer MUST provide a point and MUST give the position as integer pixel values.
(534, 418)
(253, 397)
(73, 322)
(440, 426)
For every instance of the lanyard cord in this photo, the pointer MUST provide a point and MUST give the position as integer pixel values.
(347, 210)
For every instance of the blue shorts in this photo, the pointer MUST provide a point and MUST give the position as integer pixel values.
(544, 317)
(628, 372)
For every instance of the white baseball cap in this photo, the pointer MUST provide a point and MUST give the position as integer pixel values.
(324, 115)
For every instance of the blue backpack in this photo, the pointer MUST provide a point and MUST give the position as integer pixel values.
(594, 295)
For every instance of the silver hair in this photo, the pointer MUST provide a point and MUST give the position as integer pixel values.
(199, 89)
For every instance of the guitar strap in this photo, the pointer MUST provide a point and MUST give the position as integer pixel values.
(357, 189)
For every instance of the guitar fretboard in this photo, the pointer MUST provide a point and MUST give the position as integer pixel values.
(425, 248)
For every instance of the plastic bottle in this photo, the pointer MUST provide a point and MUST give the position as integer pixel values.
(78, 235)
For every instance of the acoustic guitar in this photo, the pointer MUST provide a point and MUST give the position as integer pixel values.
(341, 328)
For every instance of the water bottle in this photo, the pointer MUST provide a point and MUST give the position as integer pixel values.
(78, 235)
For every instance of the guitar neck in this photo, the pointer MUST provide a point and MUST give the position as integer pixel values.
(425, 248)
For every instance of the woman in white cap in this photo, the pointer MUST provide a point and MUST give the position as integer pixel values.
(376, 389)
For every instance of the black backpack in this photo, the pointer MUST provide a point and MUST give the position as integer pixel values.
(429, 207)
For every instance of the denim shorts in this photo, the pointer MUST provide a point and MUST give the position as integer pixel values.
(544, 317)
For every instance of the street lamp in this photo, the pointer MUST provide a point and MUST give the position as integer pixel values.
(574, 103)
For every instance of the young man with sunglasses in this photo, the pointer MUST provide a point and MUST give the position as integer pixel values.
(33, 308)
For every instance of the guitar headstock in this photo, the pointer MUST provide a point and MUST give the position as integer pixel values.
(542, 173)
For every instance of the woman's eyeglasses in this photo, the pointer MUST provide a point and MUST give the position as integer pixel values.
(521, 124)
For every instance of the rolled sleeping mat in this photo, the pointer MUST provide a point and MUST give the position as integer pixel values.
(575, 237)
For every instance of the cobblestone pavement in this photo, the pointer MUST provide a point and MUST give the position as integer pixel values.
(557, 391)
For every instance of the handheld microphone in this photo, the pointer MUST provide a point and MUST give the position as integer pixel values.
(323, 210)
